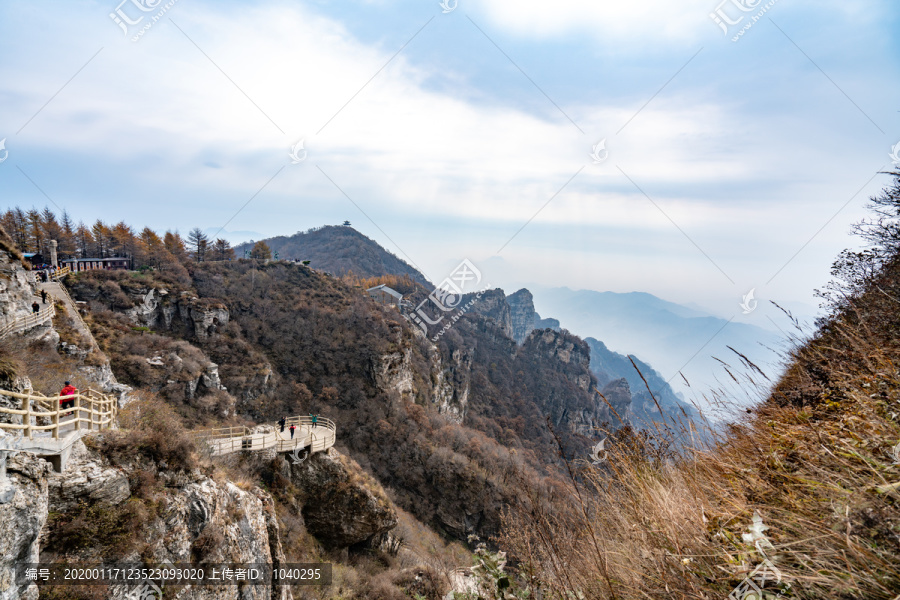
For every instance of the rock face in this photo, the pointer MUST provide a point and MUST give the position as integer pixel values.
(342, 505)
(15, 292)
(493, 305)
(451, 383)
(579, 413)
(157, 309)
(204, 520)
(86, 479)
(521, 307)
(21, 521)
(618, 394)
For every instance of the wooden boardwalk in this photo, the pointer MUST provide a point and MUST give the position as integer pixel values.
(237, 439)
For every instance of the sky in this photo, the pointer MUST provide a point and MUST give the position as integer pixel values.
(601, 145)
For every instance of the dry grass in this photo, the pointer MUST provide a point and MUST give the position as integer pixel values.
(814, 461)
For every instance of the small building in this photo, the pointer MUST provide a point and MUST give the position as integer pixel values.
(385, 295)
(91, 264)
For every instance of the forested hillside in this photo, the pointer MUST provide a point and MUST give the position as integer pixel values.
(339, 249)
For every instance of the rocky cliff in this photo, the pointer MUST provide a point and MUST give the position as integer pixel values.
(342, 505)
(23, 513)
(580, 413)
(493, 305)
(522, 315)
(547, 323)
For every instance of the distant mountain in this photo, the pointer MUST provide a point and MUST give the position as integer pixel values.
(609, 366)
(672, 337)
(338, 250)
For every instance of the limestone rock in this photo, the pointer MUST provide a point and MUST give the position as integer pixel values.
(342, 505)
(86, 479)
(493, 304)
(21, 521)
(521, 306)
(618, 394)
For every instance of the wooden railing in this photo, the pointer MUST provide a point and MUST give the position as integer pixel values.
(60, 273)
(28, 321)
(235, 439)
(91, 410)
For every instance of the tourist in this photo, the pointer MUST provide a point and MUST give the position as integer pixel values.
(68, 391)
(315, 419)
(44, 296)
(35, 307)
(281, 423)
(293, 427)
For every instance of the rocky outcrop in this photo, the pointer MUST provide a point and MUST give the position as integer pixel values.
(206, 316)
(86, 479)
(22, 517)
(567, 349)
(493, 305)
(395, 373)
(618, 394)
(16, 293)
(105, 380)
(451, 383)
(155, 308)
(204, 520)
(547, 323)
(342, 504)
(581, 412)
(521, 307)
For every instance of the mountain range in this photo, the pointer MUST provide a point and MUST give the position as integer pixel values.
(671, 337)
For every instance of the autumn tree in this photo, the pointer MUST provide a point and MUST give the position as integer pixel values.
(222, 250)
(84, 240)
(175, 245)
(261, 251)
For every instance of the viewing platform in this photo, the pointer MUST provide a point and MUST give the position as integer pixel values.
(315, 438)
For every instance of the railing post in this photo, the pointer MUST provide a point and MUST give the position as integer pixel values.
(77, 412)
(92, 414)
(56, 423)
(27, 416)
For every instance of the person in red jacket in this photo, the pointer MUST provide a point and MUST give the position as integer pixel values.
(66, 391)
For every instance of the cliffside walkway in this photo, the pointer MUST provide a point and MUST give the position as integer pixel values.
(47, 429)
(28, 321)
(58, 291)
(236, 439)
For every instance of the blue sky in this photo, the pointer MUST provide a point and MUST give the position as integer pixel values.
(725, 158)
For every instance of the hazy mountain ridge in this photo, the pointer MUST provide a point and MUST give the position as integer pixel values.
(671, 337)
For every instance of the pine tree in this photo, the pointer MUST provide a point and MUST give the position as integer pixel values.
(199, 241)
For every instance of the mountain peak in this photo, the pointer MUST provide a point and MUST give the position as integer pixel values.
(340, 249)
